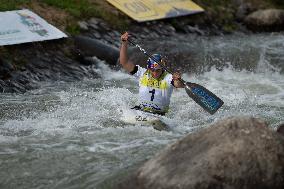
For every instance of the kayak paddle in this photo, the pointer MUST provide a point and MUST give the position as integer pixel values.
(202, 96)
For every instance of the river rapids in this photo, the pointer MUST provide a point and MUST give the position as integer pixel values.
(69, 134)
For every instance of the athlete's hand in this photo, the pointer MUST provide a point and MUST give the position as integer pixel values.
(176, 76)
(177, 80)
(124, 37)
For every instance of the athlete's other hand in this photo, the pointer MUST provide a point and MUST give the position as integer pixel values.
(176, 76)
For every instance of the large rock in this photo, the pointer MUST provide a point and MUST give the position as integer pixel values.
(235, 153)
(266, 20)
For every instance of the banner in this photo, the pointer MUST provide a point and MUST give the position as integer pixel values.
(146, 10)
(23, 26)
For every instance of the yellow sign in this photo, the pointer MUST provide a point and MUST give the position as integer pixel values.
(145, 10)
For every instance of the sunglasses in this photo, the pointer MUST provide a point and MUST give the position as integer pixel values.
(154, 66)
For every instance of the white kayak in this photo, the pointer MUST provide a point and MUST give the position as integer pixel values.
(133, 116)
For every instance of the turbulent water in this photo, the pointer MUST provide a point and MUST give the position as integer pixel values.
(69, 135)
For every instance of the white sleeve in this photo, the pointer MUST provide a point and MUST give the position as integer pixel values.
(140, 72)
(169, 79)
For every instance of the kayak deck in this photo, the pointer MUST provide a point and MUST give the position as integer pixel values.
(144, 118)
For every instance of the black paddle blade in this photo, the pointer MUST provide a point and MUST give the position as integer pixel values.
(202, 96)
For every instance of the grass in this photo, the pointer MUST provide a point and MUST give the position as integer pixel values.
(6, 5)
(76, 10)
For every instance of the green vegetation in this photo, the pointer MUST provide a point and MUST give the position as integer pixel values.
(84, 9)
(76, 9)
(6, 5)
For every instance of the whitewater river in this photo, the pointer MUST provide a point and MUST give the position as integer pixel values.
(69, 135)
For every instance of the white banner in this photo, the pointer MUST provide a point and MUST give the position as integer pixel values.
(23, 26)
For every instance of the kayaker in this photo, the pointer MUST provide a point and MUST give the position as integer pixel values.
(156, 85)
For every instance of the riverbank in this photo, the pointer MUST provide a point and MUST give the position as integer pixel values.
(24, 65)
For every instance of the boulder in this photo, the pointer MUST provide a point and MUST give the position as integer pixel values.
(236, 153)
(266, 20)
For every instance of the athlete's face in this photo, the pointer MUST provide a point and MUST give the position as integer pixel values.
(156, 73)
